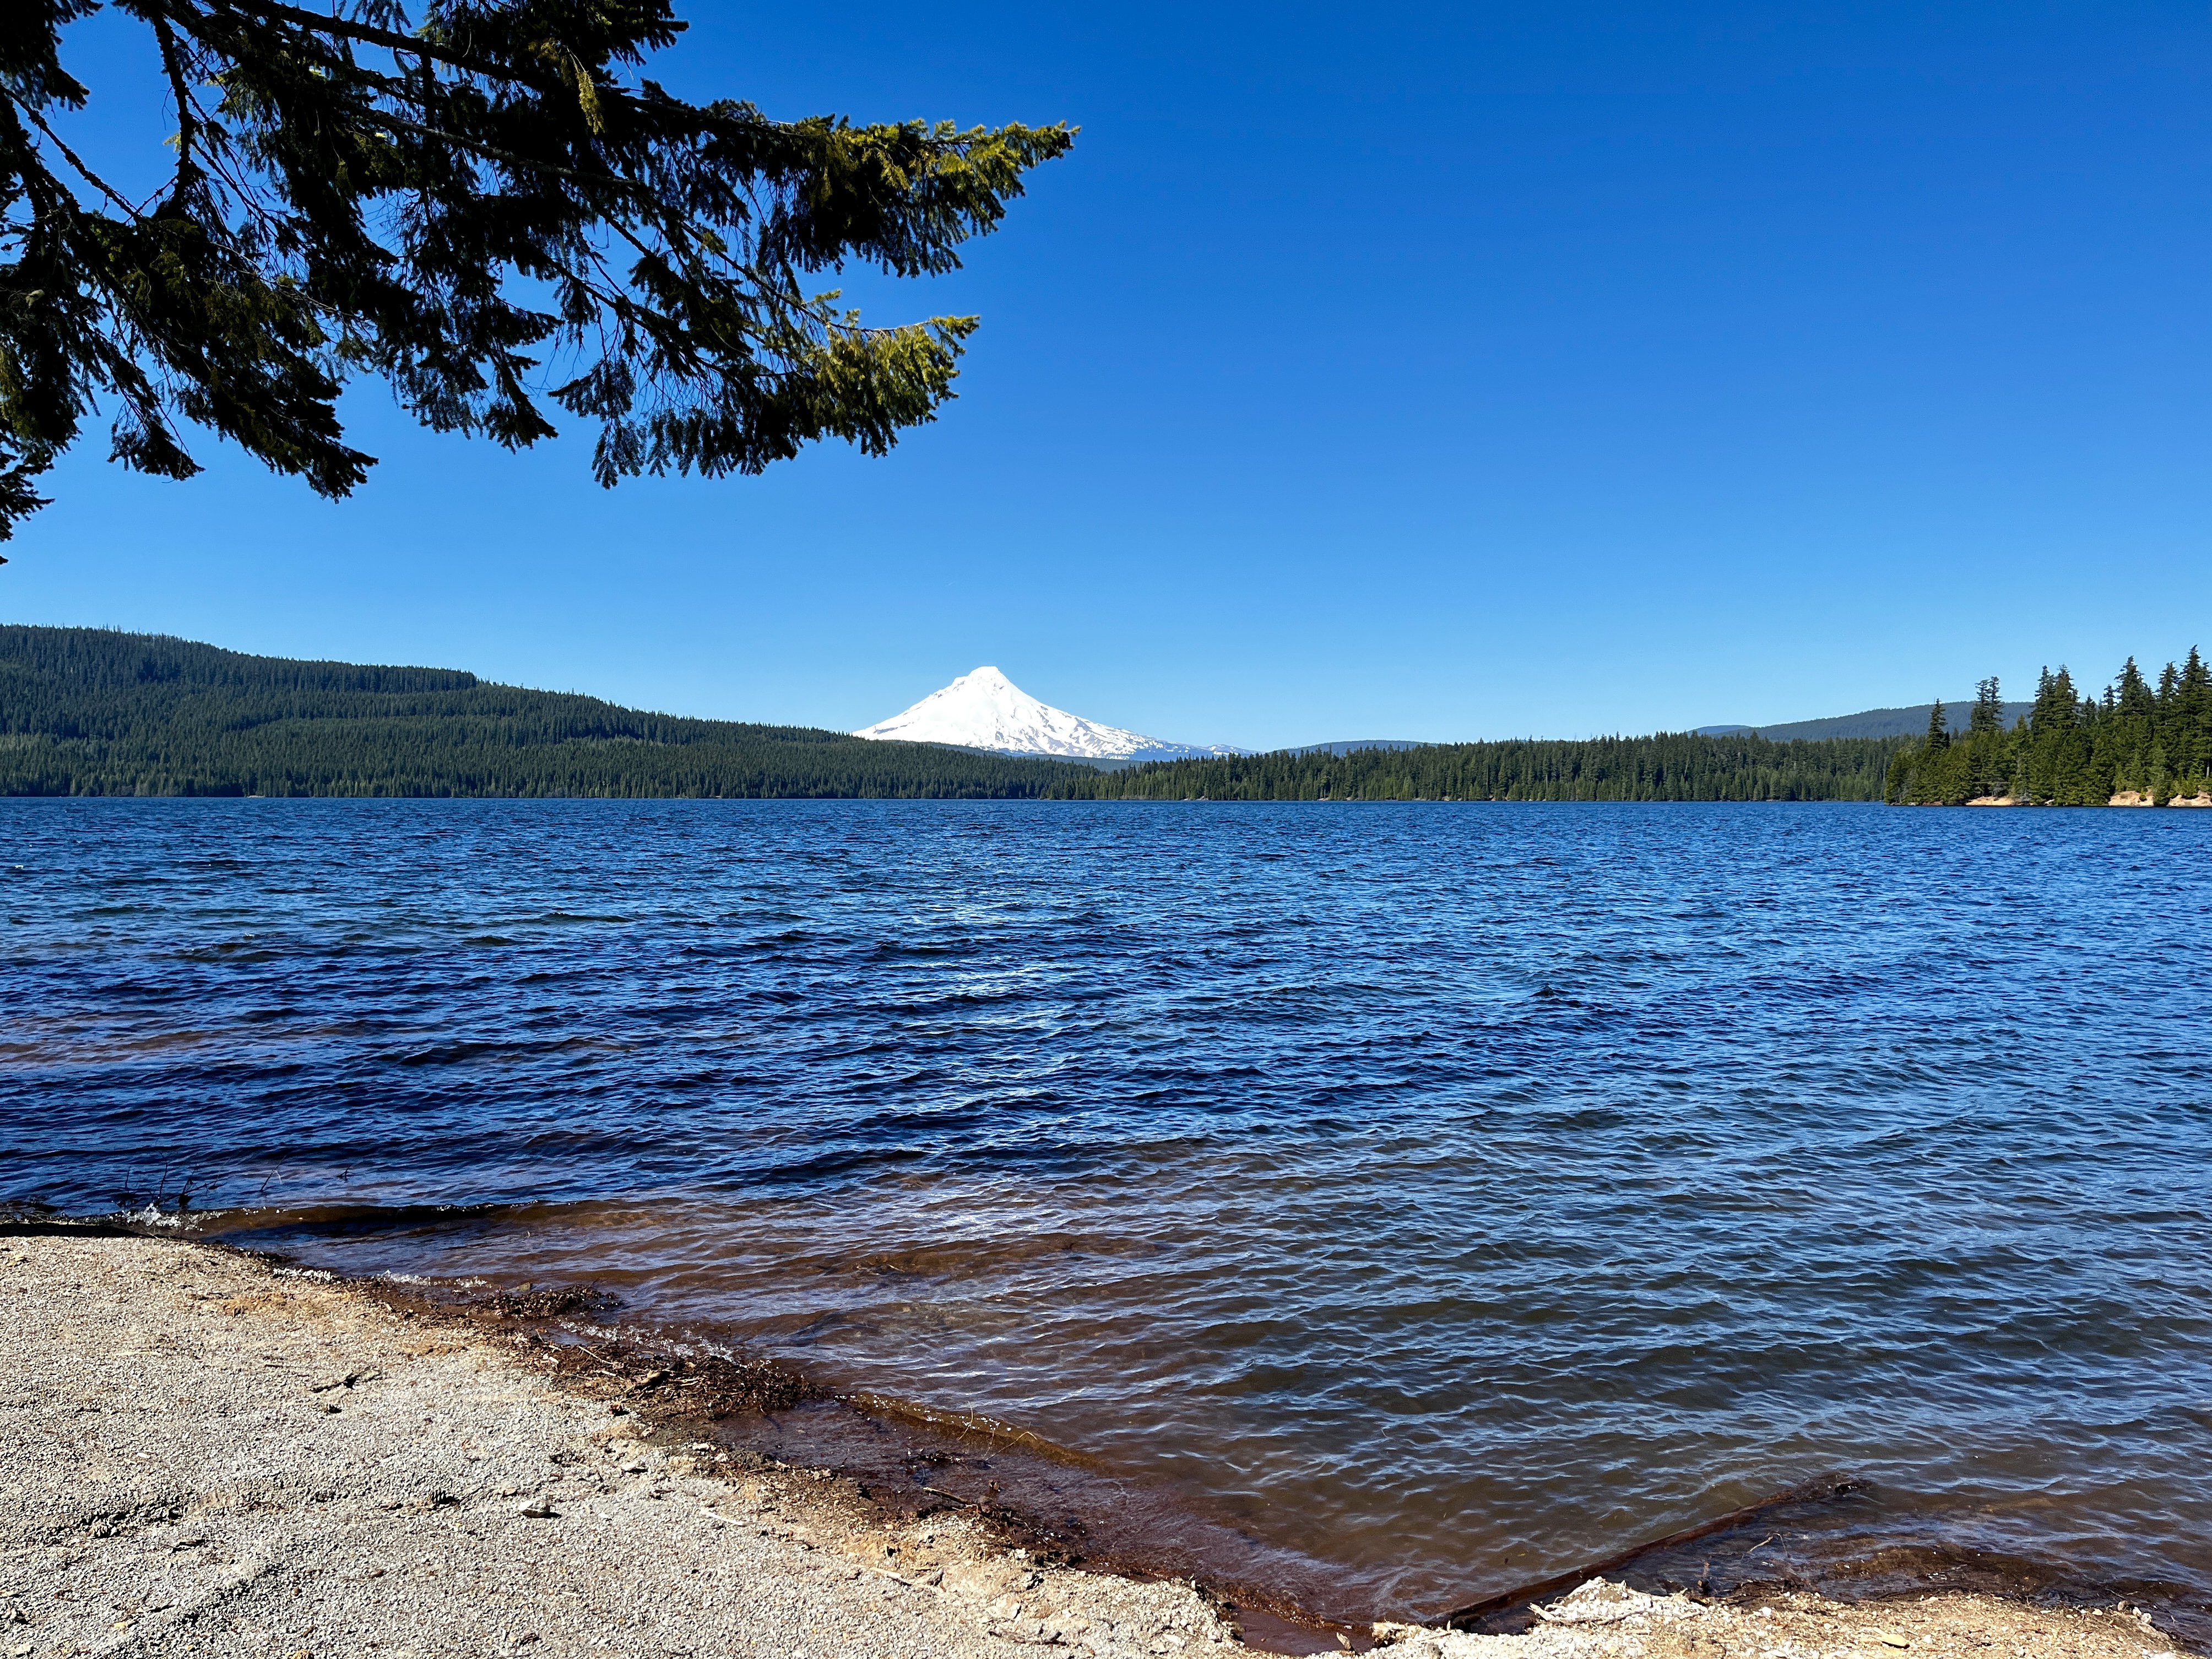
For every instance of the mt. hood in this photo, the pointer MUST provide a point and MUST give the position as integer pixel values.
(984, 710)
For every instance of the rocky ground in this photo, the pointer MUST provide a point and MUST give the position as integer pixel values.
(200, 1453)
(203, 1456)
(1608, 1621)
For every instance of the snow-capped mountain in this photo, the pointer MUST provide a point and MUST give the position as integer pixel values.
(984, 710)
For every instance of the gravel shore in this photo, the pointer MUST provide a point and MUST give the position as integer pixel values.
(206, 1454)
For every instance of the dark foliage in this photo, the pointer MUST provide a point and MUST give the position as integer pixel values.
(494, 213)
(2068, 750)
(1671, 766)
(90, 712)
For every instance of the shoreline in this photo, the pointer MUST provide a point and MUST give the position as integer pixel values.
(2124, 797)
(211, 1453)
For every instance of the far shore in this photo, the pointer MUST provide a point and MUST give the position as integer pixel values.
(209, 1454)
(2125, 798)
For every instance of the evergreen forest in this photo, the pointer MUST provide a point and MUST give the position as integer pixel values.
(94, 712)
(2131, 743)
(1669, 766)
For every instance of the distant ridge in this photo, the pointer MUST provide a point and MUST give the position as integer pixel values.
(88, 711)
(1353, 745)
(98, 712)
(1873, 723)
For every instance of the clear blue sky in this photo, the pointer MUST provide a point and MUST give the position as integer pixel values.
(1367, 371)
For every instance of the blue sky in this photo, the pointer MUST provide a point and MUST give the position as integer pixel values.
(1374, 371)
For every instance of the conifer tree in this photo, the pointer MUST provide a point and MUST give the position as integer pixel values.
(2193, 706)
(2071, 750)
(2130, 729)
(2135, 695)
(1989, 706)
(1985, 765)
(2055, 760)
(495, 212)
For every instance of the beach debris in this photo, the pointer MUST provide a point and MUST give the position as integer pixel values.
(539, 1507)
(1602, 1601)
(529, 1302)
(1890, 1638)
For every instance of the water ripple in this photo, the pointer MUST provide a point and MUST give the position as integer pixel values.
(1446, 1195)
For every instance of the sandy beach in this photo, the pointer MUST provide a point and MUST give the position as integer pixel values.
(209, 1454)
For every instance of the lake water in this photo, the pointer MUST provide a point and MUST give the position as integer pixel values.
(1428, 1197)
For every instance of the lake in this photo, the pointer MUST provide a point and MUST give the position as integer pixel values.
(1426, 1197)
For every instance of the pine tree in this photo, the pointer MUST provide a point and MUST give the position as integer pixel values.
(1989, 706)
(2191, 746)
(2128, 730)
(2056, 761)
(2135, 697)
(493, 212)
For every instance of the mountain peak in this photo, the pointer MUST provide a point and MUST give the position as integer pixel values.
(984, 710)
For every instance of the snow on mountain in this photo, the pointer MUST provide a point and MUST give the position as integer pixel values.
(984, 710)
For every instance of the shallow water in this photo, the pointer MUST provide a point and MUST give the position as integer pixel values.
(1443, 1195)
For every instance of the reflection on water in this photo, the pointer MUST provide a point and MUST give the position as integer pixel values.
(1440, 1196)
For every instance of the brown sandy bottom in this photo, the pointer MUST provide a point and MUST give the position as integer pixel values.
(206, 1453)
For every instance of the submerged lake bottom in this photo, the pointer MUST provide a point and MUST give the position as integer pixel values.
(1387, 1206)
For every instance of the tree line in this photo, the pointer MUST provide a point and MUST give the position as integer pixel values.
(1668, 766)
(95, 712)
(2070, 750)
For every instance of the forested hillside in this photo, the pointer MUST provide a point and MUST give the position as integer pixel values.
(89, 711)
(92, 712)
(1671, 766)
(2070, 750)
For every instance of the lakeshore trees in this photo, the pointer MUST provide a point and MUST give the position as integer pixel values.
(1677, 766)
(92, 712)
(494, 212)
(2071, 750)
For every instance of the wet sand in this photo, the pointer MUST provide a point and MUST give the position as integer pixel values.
(208, 1453)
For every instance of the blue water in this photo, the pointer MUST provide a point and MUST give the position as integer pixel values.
(1447, 1194)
